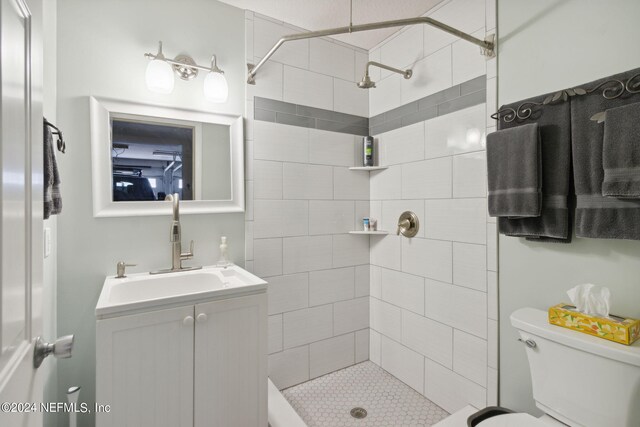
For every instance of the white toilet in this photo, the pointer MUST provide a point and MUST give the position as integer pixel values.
(578, 380)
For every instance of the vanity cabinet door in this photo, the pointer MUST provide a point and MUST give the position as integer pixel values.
(231, 363)
(144, 369)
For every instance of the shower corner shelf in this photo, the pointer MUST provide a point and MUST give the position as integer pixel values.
(367, 168)
(375, 233)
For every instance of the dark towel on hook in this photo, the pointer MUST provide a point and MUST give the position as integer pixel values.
(513, 169)
(554, 223)
(52, 198)
(597, 216)
(621, 152)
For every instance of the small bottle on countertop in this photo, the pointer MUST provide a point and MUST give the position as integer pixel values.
(223, 261)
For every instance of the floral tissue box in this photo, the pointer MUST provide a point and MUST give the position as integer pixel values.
(612, 328)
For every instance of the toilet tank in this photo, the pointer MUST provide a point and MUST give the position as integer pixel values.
(579, 379)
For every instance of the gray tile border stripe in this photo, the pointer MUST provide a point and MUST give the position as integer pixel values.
(458, 97)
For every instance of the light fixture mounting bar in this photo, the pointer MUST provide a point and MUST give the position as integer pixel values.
(182, 64)
(486, 46)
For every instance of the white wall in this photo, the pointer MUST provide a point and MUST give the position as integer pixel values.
(433, 318)
(545, 46)
(100, 52)
(302, 201)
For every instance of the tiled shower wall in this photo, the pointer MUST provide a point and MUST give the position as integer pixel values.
(434, 297)
(302, 200)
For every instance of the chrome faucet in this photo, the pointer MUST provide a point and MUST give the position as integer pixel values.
(175, 236)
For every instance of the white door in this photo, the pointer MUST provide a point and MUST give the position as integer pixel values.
(20, 206)
(231, 363)
(144, 369)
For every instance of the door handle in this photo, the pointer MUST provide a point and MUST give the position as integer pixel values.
(201, 318)
(188, 321)
(61, 349)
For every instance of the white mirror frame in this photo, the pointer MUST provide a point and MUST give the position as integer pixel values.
(102, 185)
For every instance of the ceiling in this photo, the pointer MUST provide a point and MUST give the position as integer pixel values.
(321, 14)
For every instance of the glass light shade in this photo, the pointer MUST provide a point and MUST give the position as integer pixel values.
(215, 87)
(159, 76)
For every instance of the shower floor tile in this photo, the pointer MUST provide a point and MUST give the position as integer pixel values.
(328, 400)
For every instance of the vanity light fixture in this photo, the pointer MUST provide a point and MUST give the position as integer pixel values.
(160, 79)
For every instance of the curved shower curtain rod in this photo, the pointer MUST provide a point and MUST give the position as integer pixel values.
(486, 46)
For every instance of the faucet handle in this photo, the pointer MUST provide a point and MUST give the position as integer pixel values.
(187, 255)
(120, 269)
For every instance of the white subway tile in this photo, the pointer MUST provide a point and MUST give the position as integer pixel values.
(331, 148)
(462, 131)
(403, 290)
(429, 338)
(385, 318)
(470, 175)
(386, 184)
(350, 185)
(363, 211)
(402, 363)
(308, 325)
(430, 75)
(386, 95)
(327, 286)
(492, 387)
(427, 258)
(492, 101)
(375, 290)
(374, 346)
(267, 180)
(470, 357)
(331, 216)
(350, 315)
(401, 145)
(435, 39)
(248, 42)
(451, 391)
(287, 293)
(332, 59)
(306, 253)
(462, 308)
(492, 295)
(362, 345)
(275, 333)
(387, 251)
(331, 354)
(289, 367)
(392, 209)
(348, 98)
(303, 181)
(307, 88)
(464, 15)
(375, 211)
(470, 266)
(280, 218)
(274, 141)
(268, 82)
(492, 343)
(350, 249)
(460, 220)
(362, 280)
(248, 240)
(427, 179)
(267, 33)
(492, 68)
(490, 19)
(403, 50)
(267, 257)
(248, 198)
(468, 63)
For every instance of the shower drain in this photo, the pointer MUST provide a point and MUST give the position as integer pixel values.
(358, 413)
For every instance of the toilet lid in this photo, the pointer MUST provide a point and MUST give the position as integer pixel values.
(513, 420)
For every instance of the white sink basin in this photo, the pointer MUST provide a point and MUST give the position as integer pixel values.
(140, 291)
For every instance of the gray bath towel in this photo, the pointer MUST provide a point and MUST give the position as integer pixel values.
(621, 152)
(52, 197)
(598, 216)
(553, 224)
(513, 169)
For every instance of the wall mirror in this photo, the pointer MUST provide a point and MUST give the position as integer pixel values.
(141, 153)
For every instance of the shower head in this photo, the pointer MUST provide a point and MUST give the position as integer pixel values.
(367, 83)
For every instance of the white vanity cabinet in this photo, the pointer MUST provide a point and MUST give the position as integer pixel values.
(202, 365)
